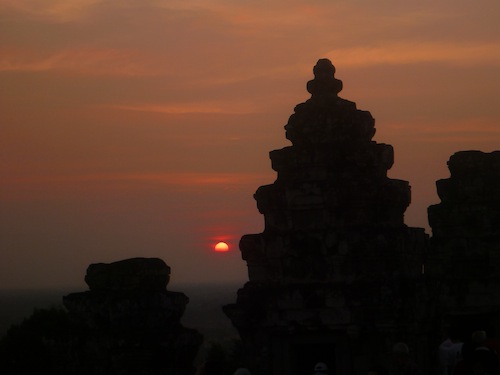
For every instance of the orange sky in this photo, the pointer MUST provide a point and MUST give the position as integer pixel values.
(142, 128)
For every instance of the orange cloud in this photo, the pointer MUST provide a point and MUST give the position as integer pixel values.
(414, 53)
(477, 131)
(175, 180)
(185, 108)
(53, 10)
(93, 61)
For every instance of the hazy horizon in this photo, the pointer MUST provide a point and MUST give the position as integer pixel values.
(203, 311)
(142, 129)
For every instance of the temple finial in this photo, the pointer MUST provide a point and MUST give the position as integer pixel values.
(324, 82)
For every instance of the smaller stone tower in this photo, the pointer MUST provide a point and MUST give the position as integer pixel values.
(464, 266)
(128, 323)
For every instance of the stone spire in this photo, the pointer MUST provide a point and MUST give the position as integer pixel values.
(331, 182)
(335, 256)
(324, 83)
(327, 118)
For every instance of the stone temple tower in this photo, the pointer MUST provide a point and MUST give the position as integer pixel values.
(335, 275)
(463, 269)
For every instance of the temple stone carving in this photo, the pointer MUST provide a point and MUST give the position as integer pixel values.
(128, 323)
(334, 276)
(464, 265)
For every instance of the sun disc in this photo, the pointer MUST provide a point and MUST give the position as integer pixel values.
(221, 246)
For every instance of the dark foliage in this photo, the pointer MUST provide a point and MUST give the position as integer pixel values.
(31, 346)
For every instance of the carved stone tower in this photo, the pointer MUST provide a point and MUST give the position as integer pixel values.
(335, 275)
(464, 266)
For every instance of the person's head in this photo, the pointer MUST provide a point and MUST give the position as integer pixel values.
(320, 368)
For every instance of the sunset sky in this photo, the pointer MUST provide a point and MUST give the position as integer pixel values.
(142, 128)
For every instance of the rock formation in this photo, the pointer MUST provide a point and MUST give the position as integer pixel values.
(334, 276)
(128, 323)
(463, 268)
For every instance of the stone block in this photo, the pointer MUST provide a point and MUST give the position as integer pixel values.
(129, 274)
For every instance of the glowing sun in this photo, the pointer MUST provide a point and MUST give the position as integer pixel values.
(221, 246)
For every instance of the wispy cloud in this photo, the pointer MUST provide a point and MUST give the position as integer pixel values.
(87, 61)
(414, 53)
(186, 108)
(53, 10)
(175, 179)
(479, 130)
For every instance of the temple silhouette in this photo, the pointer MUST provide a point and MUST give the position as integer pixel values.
(335, 277)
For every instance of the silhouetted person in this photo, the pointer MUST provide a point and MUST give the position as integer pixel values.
(463, 366)
(484, 357)
(478, 357)
(482, 363)
(449, 353)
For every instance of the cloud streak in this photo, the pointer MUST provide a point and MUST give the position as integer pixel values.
(187, 108)
(84, 61)
(415, 53)
(59, 11)
(180, 179)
